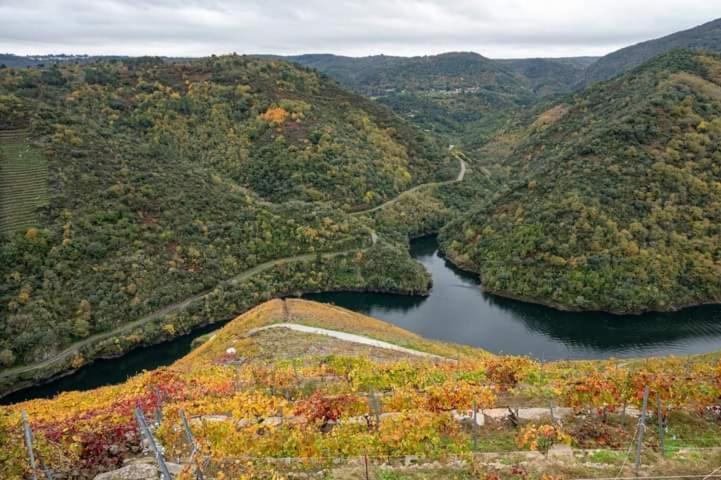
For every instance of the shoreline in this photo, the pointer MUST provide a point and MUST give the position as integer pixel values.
(559, 306)
(151, 342)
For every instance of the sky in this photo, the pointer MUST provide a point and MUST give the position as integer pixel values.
(494, 28)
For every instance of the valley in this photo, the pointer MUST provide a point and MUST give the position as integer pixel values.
(392, 267)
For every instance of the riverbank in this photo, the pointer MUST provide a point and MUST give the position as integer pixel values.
(458, 310)
(274, 279)
(467, 266)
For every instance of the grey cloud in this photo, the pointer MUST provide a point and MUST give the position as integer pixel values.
(495, 28)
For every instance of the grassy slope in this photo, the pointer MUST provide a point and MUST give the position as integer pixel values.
(613, 203)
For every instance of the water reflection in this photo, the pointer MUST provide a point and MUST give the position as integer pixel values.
(457, 311)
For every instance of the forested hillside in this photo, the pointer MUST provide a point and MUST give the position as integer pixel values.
(170, 181)
(461, 94)
(703, 37)
(550, 76)
(617, 197)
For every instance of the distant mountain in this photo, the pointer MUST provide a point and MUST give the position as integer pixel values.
(550, 76)
(706, 36)
(381, 75)
(17, 61)
(617, 197)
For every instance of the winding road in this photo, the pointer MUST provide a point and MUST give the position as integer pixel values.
(459, 178)
(75, 347)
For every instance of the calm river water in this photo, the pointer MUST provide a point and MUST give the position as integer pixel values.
(457, 311)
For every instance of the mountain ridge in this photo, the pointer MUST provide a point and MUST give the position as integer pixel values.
(706, 36)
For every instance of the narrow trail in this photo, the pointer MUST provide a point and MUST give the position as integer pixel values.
(75, 347)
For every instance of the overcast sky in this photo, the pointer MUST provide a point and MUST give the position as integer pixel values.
(495, 28)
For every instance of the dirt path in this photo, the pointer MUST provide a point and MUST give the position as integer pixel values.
(75, 347)
(346, 337)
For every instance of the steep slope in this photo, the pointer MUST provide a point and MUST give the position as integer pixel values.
(706, 37)
(617, 203)
(297, 389)
(174, 197)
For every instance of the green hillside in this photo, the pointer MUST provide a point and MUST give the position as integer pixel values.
(550, 76)
(462, 95)
(704, 37)
(615, 197)
(179, 194)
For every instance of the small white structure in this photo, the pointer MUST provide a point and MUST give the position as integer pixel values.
(231, 351)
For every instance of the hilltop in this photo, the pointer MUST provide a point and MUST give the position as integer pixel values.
(293, 389)
(703, 37)
(142, 198)
(614, 201)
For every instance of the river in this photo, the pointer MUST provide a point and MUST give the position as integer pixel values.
(458, 311)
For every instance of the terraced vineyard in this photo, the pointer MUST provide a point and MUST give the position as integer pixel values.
(295, 390)
(23, 182)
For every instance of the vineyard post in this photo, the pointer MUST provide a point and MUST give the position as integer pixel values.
(661, 426)
(550, 408)
(193, 445)
(186, 428)
(365, 462)
(29, 443)
(145, 431)
(475, 426)
(48, 472)
(158, 406)
(641, 428)
(375, 407)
